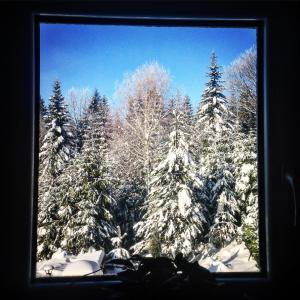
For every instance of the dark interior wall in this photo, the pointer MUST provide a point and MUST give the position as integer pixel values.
(282, 66)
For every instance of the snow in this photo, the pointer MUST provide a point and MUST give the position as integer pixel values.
(118, 253)
(80, 268)
(59, 254)
(233, 258)
(214, 100)
(247, 168)
(184, 201)
(62, 264)
(178, 193)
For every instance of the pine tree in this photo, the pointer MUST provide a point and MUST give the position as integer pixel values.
(224, 206)
(119, 251)
(172, 105)
(213, 149)
(213, 112)
(245, 159)
(86, 206)
(43, 108)
(218, 170)
(187, 111)
(175, 218)
(55, 153)
(83, 123)
(94, 105)
(43, 120)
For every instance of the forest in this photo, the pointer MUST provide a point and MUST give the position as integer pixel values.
(154, 177)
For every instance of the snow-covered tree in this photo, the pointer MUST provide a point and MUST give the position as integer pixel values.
(212, 116)
(55, 152)
(86, 205)
(245, 161)
(128, 189)
(144, 92)
(43, 120)
(119, 251)
(241, 78)
(213, 150)
(43, 108)
(187, 111)
(136, 146)
(213, 111)
(175, 217)
(225, 209)
(218, 170)
(78, 100)
(172, 105)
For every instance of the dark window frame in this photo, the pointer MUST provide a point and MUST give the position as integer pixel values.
(260, 24)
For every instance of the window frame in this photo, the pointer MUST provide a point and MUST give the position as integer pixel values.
(262, 131)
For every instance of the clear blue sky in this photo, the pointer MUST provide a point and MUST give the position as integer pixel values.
(97, 56)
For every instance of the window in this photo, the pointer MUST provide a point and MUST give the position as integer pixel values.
(164, 161)
(279, 56)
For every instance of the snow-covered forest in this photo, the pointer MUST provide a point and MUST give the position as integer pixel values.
(154, 178)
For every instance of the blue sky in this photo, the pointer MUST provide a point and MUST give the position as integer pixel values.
(97, 56)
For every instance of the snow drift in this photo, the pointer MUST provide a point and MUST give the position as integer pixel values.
(232, 258)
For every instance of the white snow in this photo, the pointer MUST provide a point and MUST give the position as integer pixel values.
(118, 253)
(184, 201)
(62, 264)
(233, 258)
(80, 268)
(59, 254)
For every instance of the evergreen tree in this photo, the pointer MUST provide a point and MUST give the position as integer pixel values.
(43, 108)
(223, 206)
(43, 120)
(86, 205)
(83, 123)
(175, 218)
(213, 149)
(218, 170)
(187, 111)
(129, 194)
(94, 105)
(245, 159)
(119, 252)
(55, 153)
(169, 119)
(213, 111)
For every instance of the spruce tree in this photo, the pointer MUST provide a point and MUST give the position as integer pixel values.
(213, 148)
(213, 109)
(187, 110)
(245, 159)
(169, 119)
(86, 205)
(43, 108)
(119, 252)
(55, 153)
(43, 120)
(83, 123)
(175, 217)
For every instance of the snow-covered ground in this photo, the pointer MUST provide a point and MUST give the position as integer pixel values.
(232, 258)
(62, 264)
